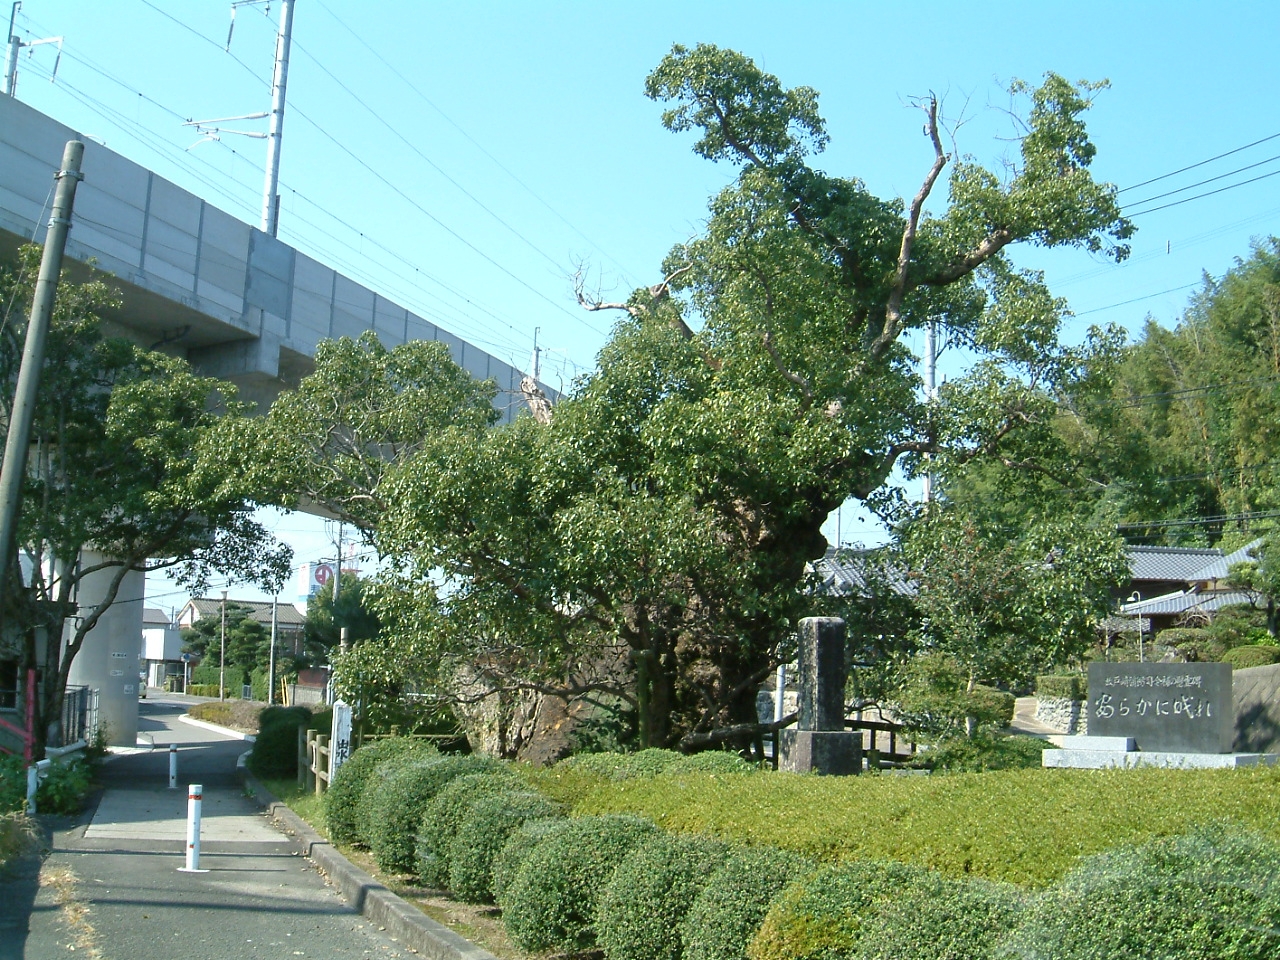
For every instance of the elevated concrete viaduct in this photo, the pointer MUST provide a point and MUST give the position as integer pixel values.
(200, 284)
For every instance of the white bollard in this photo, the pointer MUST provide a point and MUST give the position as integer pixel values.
(33, 784)
(195, 793)
(173, 766)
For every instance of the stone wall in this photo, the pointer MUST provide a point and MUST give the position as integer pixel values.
(1069, 716)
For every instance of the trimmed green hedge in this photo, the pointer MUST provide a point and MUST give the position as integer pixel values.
(446, 811)
(725, 915)
(483, 834)
(644, 902)
(1024, 826)
(1241, 658)
(1214, 893)
(625, 766)
(984, 752)
(1072, 686)
(275, 749)
(342, 801)
(552, 902)
(521, 842)
(397, 804)
(876, 910)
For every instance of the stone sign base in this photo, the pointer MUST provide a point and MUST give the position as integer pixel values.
(1107, 759)
(836, 753)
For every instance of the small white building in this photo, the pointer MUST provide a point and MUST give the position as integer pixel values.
(161, 647)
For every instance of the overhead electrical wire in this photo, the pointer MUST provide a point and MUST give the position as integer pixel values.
(449, 120)
(161, 146)
(1201, 163)
(294, 109)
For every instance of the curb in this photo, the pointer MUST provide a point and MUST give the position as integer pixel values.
(225, 731)
(402, 921)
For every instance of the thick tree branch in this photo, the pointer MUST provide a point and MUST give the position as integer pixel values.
(737, 731)
(893, 309)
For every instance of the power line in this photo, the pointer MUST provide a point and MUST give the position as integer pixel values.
(1201, 183)
(1201, 163)
(1210, 193)
(1125, 303)
(496, 162)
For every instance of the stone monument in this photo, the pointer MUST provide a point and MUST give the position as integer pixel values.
(819, 742)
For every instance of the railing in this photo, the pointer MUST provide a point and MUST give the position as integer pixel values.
(79, 715)
(314, 756)
(871, 745)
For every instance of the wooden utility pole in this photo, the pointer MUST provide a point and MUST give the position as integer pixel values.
(14, 469)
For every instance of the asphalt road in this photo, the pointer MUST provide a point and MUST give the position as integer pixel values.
(111, 888)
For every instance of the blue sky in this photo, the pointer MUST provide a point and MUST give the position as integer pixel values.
(466, 158)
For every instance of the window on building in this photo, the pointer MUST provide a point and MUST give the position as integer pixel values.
(8, 684)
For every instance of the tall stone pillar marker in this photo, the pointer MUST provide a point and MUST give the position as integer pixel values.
(819, 742)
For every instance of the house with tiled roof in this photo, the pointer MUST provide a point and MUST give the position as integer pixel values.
(1169, 585)
(290, 621)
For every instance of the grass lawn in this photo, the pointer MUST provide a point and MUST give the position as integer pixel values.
(304, 803)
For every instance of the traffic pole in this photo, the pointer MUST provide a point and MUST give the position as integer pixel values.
(195, 794)
(173, 766)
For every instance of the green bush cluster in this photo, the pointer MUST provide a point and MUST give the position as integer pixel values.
(551, 904)
(64, 787)
(1252, 655)
(275, 750)
(725, 915)
(483, 835)
(13, 783)
(877, 910)
(521, 842)
(203, 689)
(342, 801)
(397, 803)
(1213, 893)
(960, 823)
(984, 752)
(1071, 686)
(625, 766)
(444, 815)
(646, 899)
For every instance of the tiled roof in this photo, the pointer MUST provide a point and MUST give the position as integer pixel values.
(847, 572)
(1169, 563)
(260, 610)
(1219, 568)
(155, 617)
(1175, 603)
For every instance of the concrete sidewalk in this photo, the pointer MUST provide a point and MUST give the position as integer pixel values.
(111, 888)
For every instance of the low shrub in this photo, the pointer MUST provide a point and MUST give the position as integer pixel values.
(64, 788)
(481, 836)
(520, 843)
(984, 752)
(552, 902)
(13, 783)
(1213, 893)
(342, 813)
(18, 837)
(1252, 655)
(725, 915)
(869, 910)
(1072, 686)
(397, 804)
(710, 761)
(644, 902)
(446, 811)
(626, 766)
(275, 751)
(202, 689)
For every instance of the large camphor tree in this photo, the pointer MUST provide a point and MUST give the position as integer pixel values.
(131, 469)
(647, 538)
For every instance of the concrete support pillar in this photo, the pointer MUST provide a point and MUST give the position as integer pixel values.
(109, 660)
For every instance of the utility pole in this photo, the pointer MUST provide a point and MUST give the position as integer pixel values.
(14, 468)
(222, 659)
(279, 80)
(15, 46)
(930, 387)
(271, 661)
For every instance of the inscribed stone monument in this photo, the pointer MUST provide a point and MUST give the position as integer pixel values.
(1164, 707)
(819, 743)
